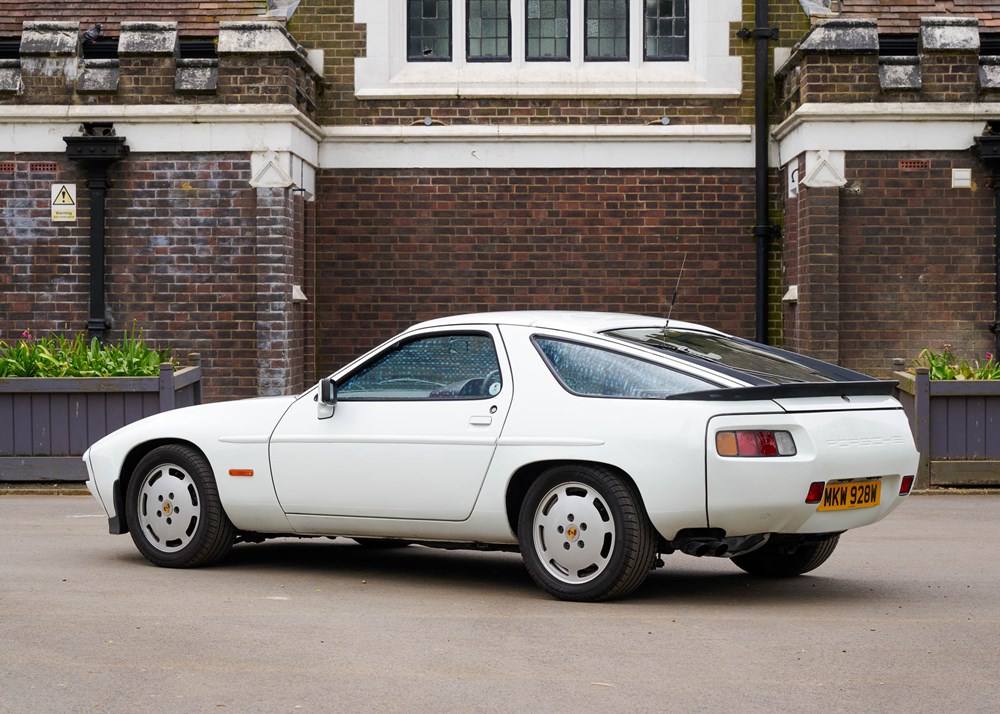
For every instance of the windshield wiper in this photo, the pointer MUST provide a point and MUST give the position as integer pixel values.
(782, 379)
(682, 349)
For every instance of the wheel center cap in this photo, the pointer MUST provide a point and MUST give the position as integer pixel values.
(572, 533)
(167, 508)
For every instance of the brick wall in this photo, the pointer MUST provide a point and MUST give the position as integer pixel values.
(396, 247)
(904, 261)
(923, 274)
(329, 25)
(189, 248)
(44, 285)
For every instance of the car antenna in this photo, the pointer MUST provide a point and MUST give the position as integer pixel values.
(673, 299)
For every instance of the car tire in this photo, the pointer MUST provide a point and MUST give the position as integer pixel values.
(584, 534)
(782, 558)
(174, 513)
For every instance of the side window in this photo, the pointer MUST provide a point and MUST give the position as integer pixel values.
(440, 367)
(594, 372)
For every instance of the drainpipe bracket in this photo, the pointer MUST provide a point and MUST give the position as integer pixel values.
(758, 33)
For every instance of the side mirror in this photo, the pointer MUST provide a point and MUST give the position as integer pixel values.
(327, 398)
(327, 391)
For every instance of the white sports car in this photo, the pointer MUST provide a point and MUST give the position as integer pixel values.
(593, 443)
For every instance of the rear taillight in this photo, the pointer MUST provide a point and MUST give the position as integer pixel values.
(754, 443)
(905, 485)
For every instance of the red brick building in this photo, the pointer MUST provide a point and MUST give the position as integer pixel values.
(304, 179)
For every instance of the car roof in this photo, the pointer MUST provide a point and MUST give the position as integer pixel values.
(570, 321)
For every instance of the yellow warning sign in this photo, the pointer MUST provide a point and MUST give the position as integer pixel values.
(63, 202)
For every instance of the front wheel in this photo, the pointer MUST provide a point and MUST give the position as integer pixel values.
(174, 513)
(584, 534)
(783, 557)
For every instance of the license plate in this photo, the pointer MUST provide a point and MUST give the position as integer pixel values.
(856, 494)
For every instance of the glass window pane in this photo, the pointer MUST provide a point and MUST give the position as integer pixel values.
(488, 30)
(768, 363)
(594, 372)
(428, 30)
(439, 367)
(666, 25)
(606, 23)
(547, 30)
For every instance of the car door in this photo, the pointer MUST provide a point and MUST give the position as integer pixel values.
(411, 436)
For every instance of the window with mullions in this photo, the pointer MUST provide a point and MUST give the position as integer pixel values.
(488, 31)
(547, 30)
(606, 33)
(550, 48)
(428, 30)
(666, 35)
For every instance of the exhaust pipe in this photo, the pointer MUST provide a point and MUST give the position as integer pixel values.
(700, 547)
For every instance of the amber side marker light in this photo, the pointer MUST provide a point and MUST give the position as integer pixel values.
(241, 472)
(754, 443)
(906, 485)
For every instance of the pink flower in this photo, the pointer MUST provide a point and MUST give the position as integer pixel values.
(26, 334)
(989, 356)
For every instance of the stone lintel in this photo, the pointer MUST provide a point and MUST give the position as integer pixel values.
(255, 37)
(10, 76)
(49, 39)
(148, 38)
(899, 73)
(99, 75)
(949, 34)
(197, 75)
(989, 72)
(842, 37)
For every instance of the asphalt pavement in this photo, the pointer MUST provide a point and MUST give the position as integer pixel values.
(904, 617)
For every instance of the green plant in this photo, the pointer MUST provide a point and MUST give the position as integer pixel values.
(944, 365)
(63, 357)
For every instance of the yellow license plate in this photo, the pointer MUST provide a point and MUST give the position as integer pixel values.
(856, 494)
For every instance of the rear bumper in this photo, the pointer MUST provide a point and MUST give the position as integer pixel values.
(768, 494)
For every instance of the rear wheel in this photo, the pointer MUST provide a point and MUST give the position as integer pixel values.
(173, 509)
(584, 534)
(784, 557)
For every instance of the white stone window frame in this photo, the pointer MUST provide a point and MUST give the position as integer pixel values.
(710, 71)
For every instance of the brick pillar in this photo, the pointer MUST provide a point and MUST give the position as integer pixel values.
(279, 365)
(817, 317)
(949, 59)
(147, 57)
(49, 61)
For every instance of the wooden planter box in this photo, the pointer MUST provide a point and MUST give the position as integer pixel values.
(956, 425)
(47, 424)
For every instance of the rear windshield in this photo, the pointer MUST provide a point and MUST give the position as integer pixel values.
(749, 358)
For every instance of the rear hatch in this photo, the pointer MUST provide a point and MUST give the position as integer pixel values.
(847, 436)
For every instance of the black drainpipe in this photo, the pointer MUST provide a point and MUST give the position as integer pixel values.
(988, 149)
(95, 151)
(762, 230)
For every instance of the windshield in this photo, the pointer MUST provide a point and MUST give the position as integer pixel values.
(743, 356)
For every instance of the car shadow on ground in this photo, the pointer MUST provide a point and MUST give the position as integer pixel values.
(682, 580)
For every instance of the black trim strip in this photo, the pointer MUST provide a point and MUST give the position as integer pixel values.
(793, 391)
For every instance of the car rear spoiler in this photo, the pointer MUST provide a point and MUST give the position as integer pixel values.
(874, 387)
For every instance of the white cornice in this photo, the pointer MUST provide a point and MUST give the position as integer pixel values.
(883, 126)
(166, 128)
(256, 128)
(539, 132)
(538, 146)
